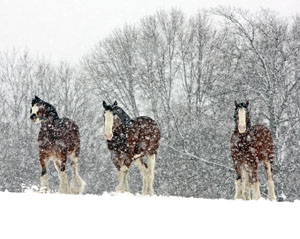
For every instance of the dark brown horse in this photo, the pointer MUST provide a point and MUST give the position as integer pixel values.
(58, 138)
(251, 145)
(131, 140)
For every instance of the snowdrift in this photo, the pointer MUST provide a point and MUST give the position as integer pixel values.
(32, 215)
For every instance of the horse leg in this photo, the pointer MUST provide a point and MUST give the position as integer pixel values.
(255, 185)
(127, 188)
(271, 191)
(123, 180)
(139, 163)
(238, 181)
(245, 185)
(44, 162)
(151, 166)
(238, 187)
(60, 166)
(77, 184)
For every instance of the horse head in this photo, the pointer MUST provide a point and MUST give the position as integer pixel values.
(241, 117)
(114, 116)
(41, 111)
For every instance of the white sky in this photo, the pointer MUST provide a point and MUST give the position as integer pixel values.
(68, 29)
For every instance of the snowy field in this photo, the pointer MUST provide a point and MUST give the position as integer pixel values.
(32, 215)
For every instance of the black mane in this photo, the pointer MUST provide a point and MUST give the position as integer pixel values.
(51, 111)
(123, 116)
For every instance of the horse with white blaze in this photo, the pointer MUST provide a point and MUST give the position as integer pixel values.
(58, 138)
(131, 140)
(251, 145)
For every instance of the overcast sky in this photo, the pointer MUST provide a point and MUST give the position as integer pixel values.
(68, 29)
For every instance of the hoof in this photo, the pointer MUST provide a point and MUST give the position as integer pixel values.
(272, 197)
(77, 185)
(238, 196)
(44, 190)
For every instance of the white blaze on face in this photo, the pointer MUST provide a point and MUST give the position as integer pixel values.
(242, 120)
(108, 124)
(34, 110)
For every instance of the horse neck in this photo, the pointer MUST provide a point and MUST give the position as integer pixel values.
(125, 119)
(51, 113)
(120, 130)
(52, 118)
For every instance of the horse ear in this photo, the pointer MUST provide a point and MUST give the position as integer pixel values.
(115, 103)
(104, 104)
(37, 98)
(247, 103)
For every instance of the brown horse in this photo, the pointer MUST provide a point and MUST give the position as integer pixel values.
(249, 147)
(58, 138)
(131, 140)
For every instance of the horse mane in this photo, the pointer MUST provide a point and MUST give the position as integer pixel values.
(122, 114)
(51, 111)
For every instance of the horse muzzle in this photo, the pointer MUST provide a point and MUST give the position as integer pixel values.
(34, 118)
(242, 129)
(108, 136)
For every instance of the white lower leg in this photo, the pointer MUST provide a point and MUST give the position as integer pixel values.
(246, 191)
(246, 187)
(127, 188)
(270, 183)
(44, 183)
(44, 178)
(256, 191)
(77, 184)
(271, 190)
(63, 177)
(122, 177)
(63, 186)
(151, 166)
(144, 173)
(146, 183)
(238, 189)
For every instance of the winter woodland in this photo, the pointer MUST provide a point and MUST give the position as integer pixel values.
(183, 71)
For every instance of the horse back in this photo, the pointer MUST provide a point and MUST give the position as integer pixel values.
(144, 132)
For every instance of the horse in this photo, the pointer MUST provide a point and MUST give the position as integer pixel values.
(131, 140)
(58, 138)
(251, 145)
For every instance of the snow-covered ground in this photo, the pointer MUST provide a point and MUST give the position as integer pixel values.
(32, 215)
